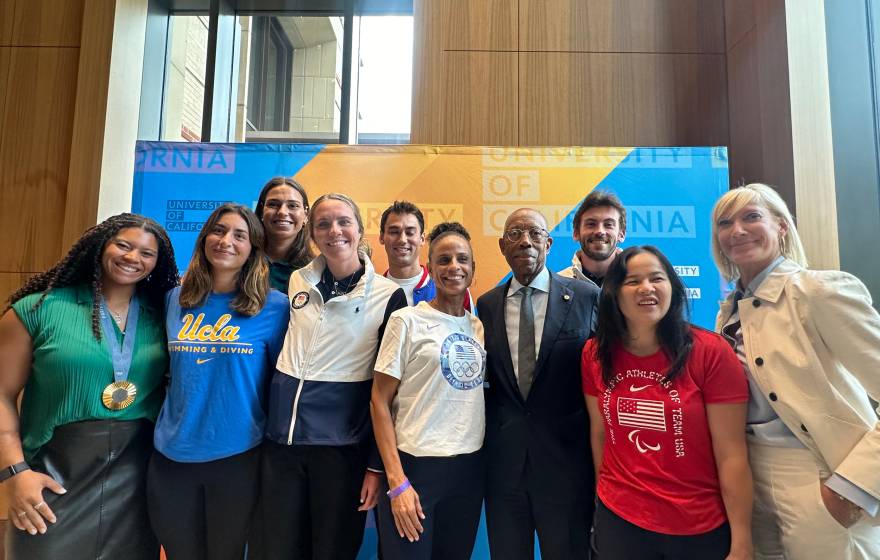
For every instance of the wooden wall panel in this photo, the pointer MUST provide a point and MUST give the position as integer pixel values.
(46, 23)
(35, 137)
(739, 19)
(775, 108)
(7, 15)
(90, 120)
(425, 121)
(480, 98)
(603, 99)
(746, 152)
(589, 72)
(9, 282)
(657, 26)
(760, 147)
(5, 55)
(483, 25)
(443, 28)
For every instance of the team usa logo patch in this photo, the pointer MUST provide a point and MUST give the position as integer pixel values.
(462, 361)
(299, 300)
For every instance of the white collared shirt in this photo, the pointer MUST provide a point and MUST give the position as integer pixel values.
(512, 303)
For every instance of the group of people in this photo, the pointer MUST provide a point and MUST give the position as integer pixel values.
(284, 387)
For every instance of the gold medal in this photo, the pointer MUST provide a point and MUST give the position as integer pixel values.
(119, 395)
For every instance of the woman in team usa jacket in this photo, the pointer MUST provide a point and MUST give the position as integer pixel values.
(315, 482)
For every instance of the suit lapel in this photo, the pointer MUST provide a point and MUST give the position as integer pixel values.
(558, 305)
(502, 343)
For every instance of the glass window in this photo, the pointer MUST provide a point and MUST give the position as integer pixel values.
(184, 91)
(384, 81)
(282, 77)
(293, 82)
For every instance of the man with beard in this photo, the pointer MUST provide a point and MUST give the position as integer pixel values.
(402, 233)
(599, 225)
(540, 474)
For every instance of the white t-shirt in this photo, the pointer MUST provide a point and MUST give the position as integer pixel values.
(408, 285)
(438, 410)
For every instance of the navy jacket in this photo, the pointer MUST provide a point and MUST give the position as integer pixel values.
(550, 430)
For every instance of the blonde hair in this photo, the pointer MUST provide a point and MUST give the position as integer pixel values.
(253, 280)
(766, 197)
(364, 250)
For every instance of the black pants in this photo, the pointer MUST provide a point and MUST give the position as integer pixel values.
(310, 496)
(618, 539)
(450, 490)
(513, 518)
(202, 511)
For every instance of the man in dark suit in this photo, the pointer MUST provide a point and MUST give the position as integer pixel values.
(540, 472)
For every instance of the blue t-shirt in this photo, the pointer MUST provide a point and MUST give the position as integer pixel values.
(221, 363)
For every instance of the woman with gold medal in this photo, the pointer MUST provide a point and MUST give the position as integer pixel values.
(85, 341)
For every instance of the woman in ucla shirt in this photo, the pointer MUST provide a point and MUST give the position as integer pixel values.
(667, 404)
(428, 413)
(224, 327)
(315, 484)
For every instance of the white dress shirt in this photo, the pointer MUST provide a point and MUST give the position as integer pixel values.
(512, 303)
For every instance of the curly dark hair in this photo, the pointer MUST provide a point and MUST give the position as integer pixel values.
(443, 229)
(82, 265)
(673, 330)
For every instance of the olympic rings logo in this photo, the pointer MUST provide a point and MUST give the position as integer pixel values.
(462, 361)
(465, 369)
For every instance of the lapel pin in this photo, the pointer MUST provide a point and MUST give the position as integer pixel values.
(566, 297)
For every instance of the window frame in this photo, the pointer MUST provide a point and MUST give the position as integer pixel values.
(221, 77)
(269, 31)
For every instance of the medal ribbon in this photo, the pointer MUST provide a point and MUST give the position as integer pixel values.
(121, 355)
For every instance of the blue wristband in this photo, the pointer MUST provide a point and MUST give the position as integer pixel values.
(395, 492)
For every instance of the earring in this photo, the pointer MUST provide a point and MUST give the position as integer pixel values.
(782, 244)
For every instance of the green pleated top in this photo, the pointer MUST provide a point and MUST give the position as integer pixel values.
(71, 368)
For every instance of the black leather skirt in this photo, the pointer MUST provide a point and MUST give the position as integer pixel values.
(103, 515)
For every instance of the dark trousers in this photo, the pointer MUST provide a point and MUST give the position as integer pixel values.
(202, 511)
(450, 491)
(310, 496)
(618, 539)
(513, 517)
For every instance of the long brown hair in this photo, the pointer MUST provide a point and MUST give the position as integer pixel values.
(82, 265)
(300, 252)
(252, 283)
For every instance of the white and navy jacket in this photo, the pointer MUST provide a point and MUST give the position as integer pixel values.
(320, 393)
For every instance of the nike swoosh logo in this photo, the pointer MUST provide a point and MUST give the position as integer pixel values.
(433, 326)
(201, 361)
(635, 389)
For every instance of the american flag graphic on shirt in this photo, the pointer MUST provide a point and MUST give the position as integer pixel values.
(641, 413)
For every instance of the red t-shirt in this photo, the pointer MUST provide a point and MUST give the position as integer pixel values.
(658, 469)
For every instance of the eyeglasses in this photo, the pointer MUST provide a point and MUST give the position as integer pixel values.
(536, 235)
